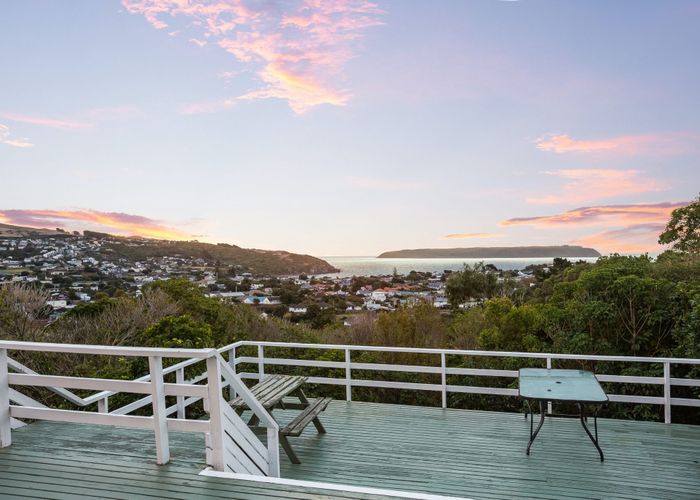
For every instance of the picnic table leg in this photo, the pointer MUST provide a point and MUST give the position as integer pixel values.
(539, 426)
(316, 421)
(582, 413)
(289, 450)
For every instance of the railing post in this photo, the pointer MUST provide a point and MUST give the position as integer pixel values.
(273, 451)
(103, 405)
(160, 424)
(261, 363)
(232, 363)
(549, 367)
(216, 424)
(443, 378)
(5, 428)
(667, 393)
(348, 376)
(180, 379)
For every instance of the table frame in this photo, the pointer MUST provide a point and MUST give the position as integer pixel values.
(582, 416)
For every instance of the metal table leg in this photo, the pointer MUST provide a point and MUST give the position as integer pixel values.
(539, 426)
(582, 413)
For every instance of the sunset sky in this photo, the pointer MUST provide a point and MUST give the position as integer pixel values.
(352, 127)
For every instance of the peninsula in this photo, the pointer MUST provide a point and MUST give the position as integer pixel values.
(492, 252)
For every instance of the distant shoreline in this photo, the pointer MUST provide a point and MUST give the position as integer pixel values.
(541, 252)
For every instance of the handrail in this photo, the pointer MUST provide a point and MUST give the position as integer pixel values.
(107, 350)
(462, 352)
(444, 371)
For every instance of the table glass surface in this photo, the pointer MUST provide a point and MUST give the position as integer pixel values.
(560, 385)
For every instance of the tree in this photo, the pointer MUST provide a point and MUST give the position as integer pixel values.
(683, 230)
(472, 282)
(180, 332)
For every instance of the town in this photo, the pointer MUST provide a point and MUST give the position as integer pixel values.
(75, 269)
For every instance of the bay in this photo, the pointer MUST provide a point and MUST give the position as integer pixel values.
(373, 266)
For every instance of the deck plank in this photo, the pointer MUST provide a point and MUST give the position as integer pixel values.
(451, 452)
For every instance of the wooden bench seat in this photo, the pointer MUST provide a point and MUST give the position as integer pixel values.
(309, 414)
(297, 426)
(271, 390)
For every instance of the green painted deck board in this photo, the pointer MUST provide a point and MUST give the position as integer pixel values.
(450, 452)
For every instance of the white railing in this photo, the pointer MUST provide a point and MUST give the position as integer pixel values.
(441, 368)
(227, 446)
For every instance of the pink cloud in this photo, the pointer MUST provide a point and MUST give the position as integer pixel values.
(298, 49)
(78, 121)
(664, 144)
(635, 239)
(112, 222)
(17, 142)
(604, 214)
(46, 121)
(584, 185)
(465, 236)
(627, 228)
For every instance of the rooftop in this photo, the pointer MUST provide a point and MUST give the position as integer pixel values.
(440, 451)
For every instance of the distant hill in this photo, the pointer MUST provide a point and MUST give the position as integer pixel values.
(9, 231)
(493, 252)
(271, 262)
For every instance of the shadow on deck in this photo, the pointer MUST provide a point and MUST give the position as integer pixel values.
(449, 452)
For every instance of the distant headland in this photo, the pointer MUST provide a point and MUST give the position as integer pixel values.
(492, 252)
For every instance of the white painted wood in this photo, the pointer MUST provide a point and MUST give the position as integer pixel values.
(273, 452)
(261, 363)
(686, 382)
(81, 417)
(482, 372)
(160, 424)
(549, 367)
(348, 376)
(235, 427)
(625, 398)
(503, 354)
(232, 364)
(197, 426)
(180, 379)
(5, 424)
(66, 394)
(107, 350)
(294, 362)
(216, 425)
(685, 402)
(627, 379)
(80, 383)
(22, 400)
(397, 385)
(397, 368)
(243, 450)
(667, 393)
(443, 379)
(359, 491)
(103, 405)
(16, 424)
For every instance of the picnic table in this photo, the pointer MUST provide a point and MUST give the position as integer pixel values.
(271, 393)
(575, 386)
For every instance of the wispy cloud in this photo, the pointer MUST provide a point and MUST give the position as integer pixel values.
(381, 183)
(298, 48)
(637, 238)
(46, 121)
(663, 144)
(588, 184)
(17, 142)
(78, 121)
(627, 228)
(603, 214)
(111, 222)
(466, 236)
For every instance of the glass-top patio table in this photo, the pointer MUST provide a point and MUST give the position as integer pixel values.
(575, 386)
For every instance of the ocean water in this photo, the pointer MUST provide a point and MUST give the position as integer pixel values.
(368, 266)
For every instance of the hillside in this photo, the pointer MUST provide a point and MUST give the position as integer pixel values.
(273, 262)
(9, 231)
(112, 248)
(493, 252)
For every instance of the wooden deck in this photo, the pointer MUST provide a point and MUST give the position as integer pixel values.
(449, 452)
